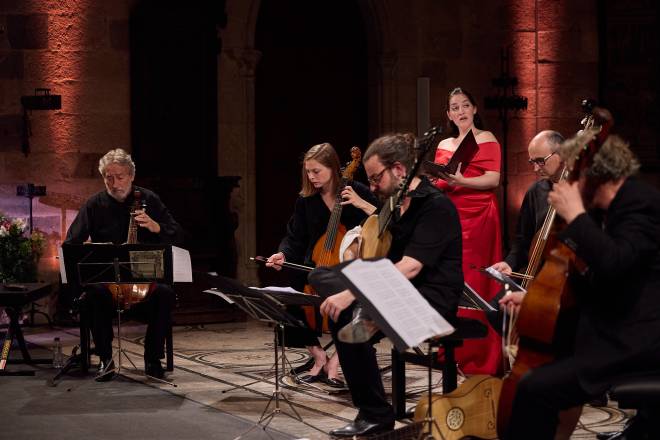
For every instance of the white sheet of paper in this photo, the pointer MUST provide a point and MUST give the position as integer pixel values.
(286, 289)
(397, 300)
(182, 268)
(60, 258)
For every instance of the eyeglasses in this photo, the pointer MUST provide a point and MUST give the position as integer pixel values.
(540, 161)
(375, 179)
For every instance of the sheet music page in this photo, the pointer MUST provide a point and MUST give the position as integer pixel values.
(182, 268)
(397, 300)
(60, 257)
(286, 289)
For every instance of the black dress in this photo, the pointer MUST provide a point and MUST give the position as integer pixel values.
(307, 224)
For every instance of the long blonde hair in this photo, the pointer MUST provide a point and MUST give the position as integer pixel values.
(326, 155)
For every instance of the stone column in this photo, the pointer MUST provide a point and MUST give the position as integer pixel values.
(236, 155)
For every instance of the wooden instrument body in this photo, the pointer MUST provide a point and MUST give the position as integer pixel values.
(468, 411)
(125, 295)
(373, 246)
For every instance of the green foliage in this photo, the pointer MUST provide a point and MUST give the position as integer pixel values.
(19, 251)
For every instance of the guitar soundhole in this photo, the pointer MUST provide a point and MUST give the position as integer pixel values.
(455, 418)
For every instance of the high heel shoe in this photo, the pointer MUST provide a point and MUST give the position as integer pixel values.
(359, 330)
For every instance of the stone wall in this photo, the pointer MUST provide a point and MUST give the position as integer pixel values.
(78, 49)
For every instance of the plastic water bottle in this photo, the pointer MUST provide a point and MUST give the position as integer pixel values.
(58, 357)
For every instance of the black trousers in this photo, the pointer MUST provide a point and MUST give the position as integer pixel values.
(155, 310)
(540, 395)
(358, 361)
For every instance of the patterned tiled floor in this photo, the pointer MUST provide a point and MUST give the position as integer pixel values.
(229, 367)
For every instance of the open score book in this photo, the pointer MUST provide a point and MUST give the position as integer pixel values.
(396, 306)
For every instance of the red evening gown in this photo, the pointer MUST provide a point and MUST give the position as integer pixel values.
(482, 246)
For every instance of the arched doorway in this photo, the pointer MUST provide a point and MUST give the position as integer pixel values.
(311, 87)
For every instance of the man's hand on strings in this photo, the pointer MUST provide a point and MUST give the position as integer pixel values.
(275, 261)
(502, 267)
(511, 301)
(337, 303)
(144, 221)
(565, 197)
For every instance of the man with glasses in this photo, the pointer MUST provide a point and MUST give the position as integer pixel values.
(548, 166)
(104, 218)
(426, 248)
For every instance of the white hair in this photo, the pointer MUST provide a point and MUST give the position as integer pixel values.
(117, 156)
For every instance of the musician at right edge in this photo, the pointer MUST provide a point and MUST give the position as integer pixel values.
(426, 251)
(613, 226)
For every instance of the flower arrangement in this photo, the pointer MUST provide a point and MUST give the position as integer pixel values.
(19, 251)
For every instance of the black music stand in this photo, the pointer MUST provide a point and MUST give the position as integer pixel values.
(268, 306)
(94, 263)
(375, 285)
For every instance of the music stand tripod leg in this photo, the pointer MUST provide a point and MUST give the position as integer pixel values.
(121, 352)
(426, 432)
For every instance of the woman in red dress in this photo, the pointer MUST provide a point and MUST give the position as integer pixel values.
(472, 189)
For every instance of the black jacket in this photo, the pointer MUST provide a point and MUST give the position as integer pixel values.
(619, 324)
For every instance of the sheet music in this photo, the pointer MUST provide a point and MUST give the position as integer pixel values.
(286, 289)
(182, 268)
(60, 257)
(397, 300)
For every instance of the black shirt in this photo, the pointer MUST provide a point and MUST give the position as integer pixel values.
(430, 232)
(310, 221)
(532, 215)
(104, 219)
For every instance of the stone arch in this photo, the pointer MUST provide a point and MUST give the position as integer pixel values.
(236, 106)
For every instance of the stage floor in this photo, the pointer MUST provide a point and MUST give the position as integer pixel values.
(209, 361)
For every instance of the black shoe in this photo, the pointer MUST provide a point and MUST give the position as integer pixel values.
(311, 378)
(154, 369)
(106, 370)
(304, 367)
(333, 382)
(360, 428)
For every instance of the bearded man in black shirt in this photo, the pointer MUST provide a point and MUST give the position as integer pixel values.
(105, 218)
(426, 248)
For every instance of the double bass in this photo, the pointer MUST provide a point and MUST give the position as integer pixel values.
(547, 316)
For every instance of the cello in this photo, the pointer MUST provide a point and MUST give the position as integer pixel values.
(124, 295)
(326, 249)
(548, 314)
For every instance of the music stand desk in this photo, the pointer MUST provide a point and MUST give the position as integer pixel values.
(14, 300)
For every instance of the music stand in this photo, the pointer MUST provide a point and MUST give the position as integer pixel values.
(89, 264)
(268, 306)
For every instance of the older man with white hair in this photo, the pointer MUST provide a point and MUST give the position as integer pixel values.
(105, 218)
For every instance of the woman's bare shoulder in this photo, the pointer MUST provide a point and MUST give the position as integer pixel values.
(447, 144)
(484, 136)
